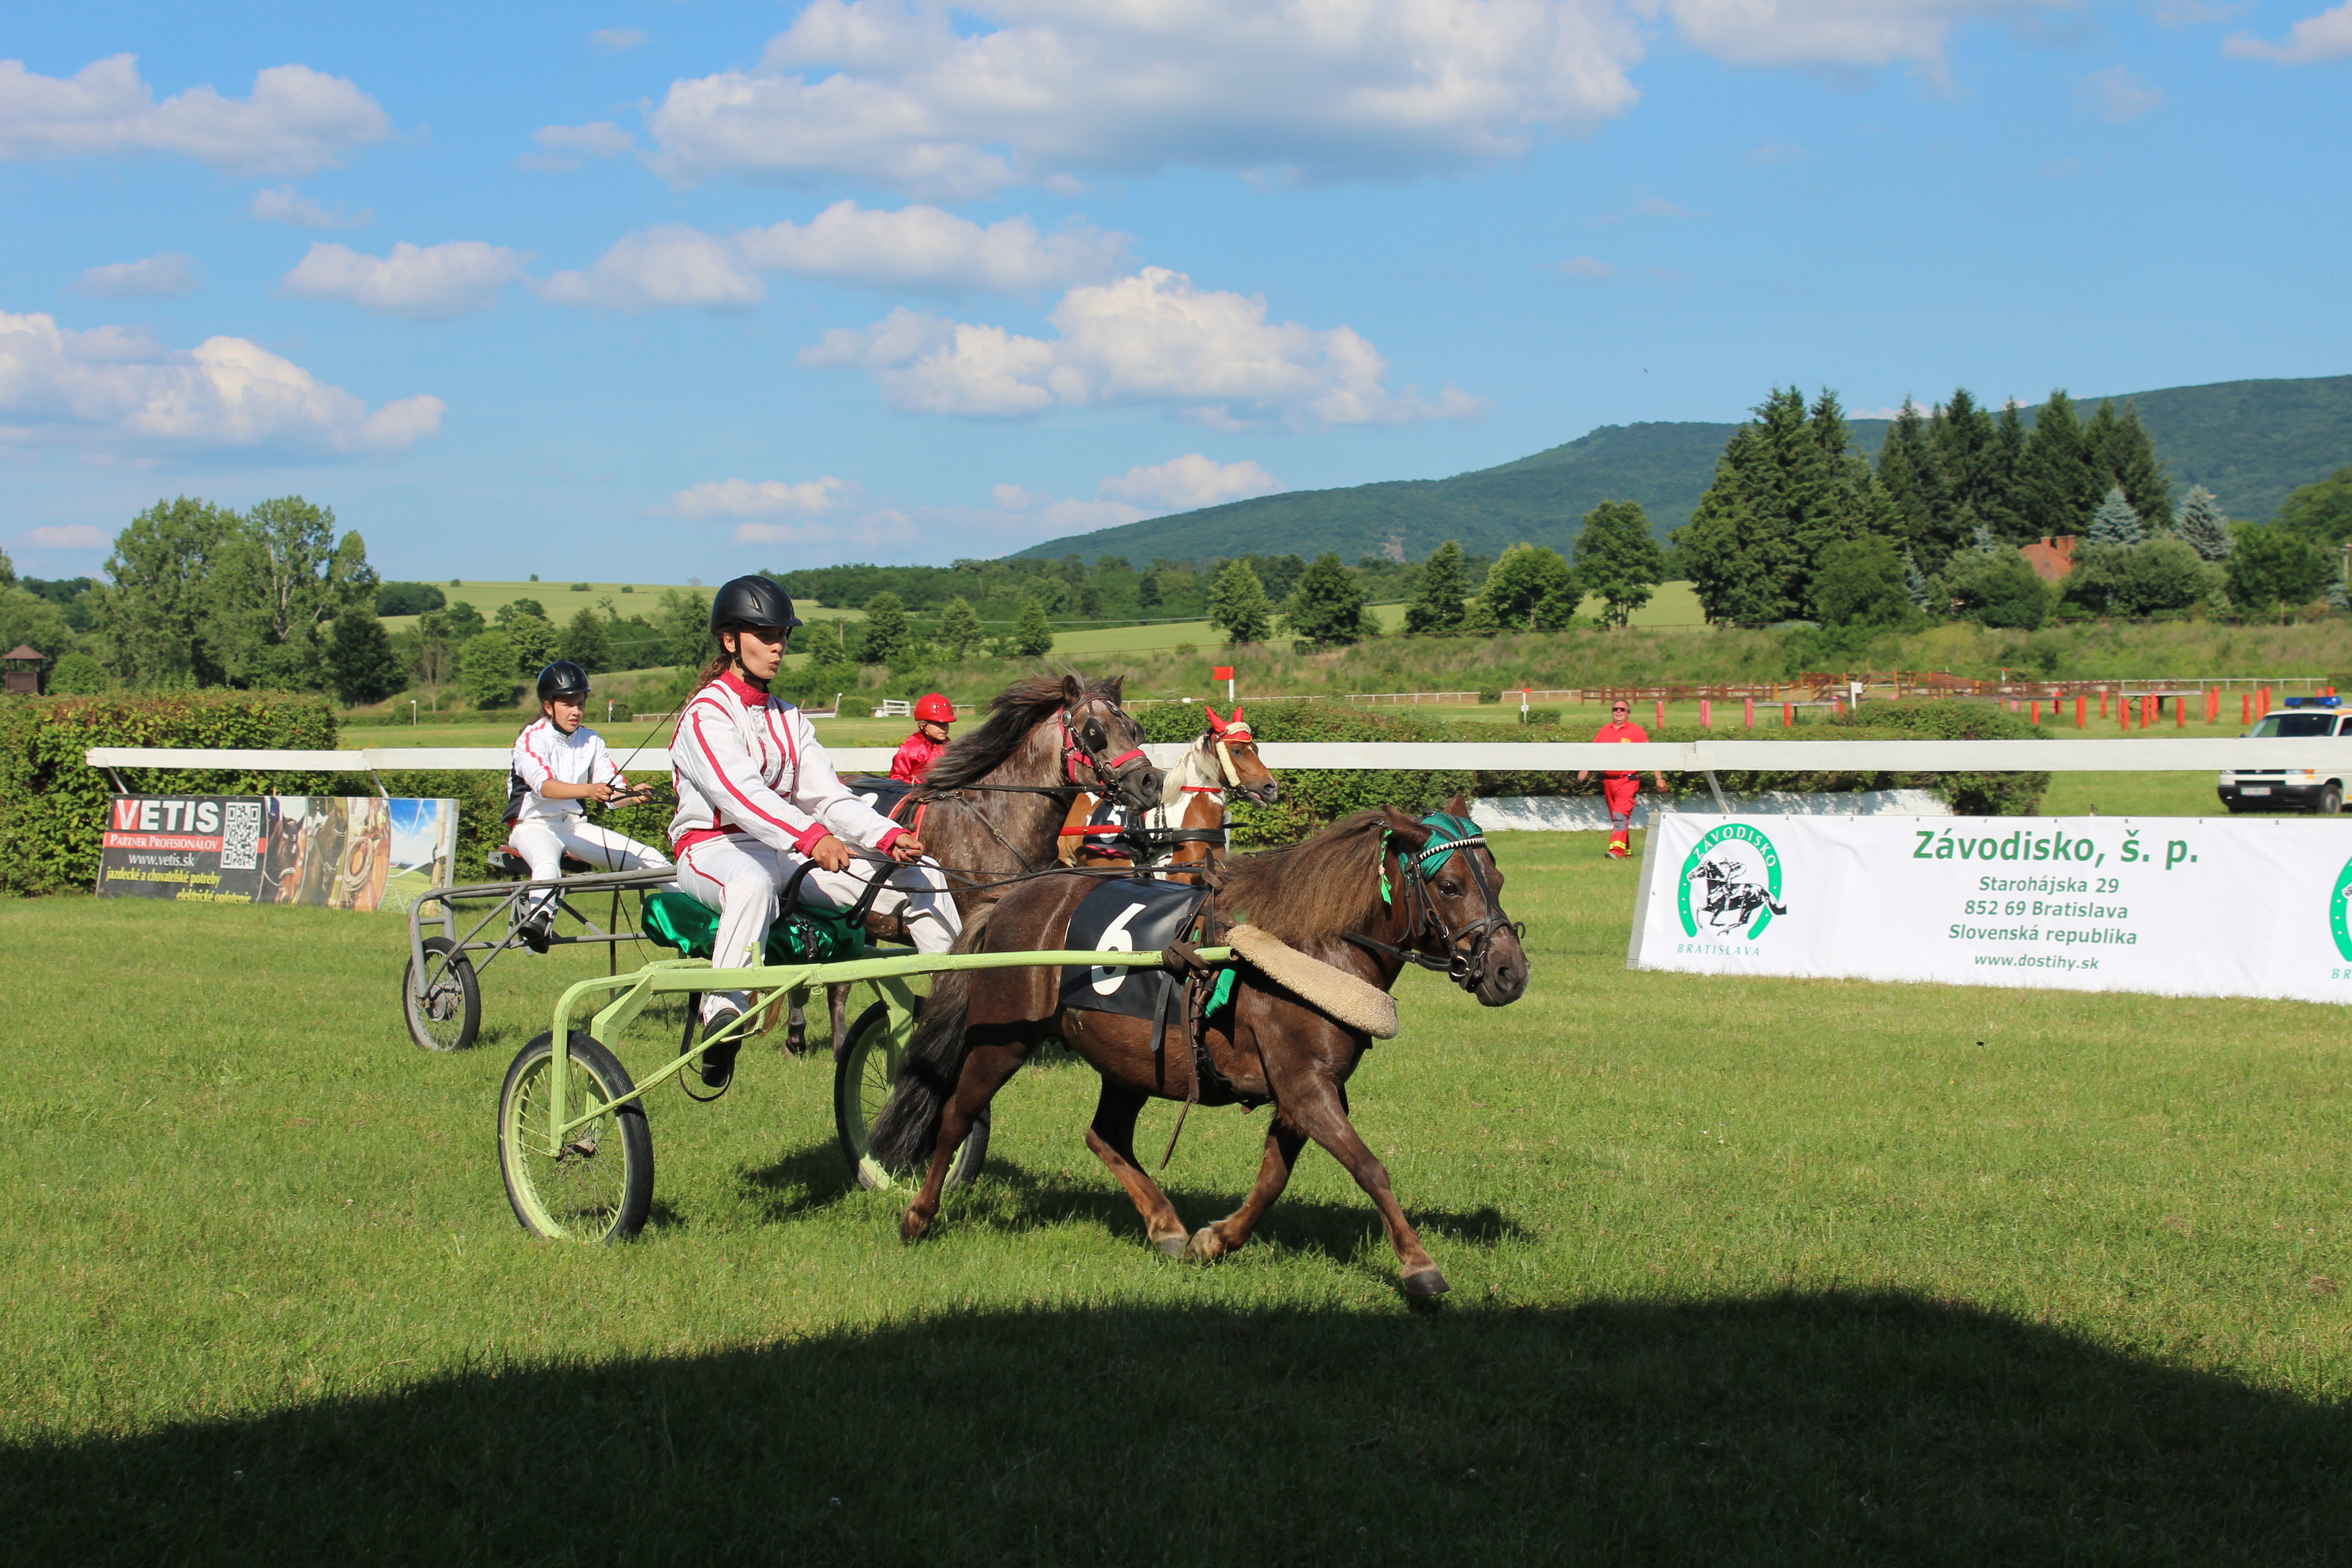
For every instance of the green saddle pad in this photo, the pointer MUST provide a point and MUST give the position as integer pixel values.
(799, 935)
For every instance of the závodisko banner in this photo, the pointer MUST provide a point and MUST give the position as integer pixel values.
(2177, 906)
(341, 852)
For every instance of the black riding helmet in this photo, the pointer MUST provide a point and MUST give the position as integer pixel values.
(752, 602)
(562, 679)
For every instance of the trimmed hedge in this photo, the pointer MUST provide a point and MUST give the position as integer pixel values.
(53, 805)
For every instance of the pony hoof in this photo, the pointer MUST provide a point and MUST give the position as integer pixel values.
(1171, 1245)
(914, 1227)
(1426, 1285)
(1206, 1246)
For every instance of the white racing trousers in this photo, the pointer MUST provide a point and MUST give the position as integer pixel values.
(542, 841)
(742, 878)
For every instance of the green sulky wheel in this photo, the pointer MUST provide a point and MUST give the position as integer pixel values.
(862, 1081)
(599, 1185)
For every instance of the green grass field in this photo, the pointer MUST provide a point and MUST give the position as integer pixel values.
(1760, 1271)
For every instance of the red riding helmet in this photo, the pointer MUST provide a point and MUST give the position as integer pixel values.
(935, 709)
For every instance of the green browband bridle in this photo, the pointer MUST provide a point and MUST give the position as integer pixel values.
(1447, 834)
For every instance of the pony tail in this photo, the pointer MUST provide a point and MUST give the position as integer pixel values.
(907, 1130)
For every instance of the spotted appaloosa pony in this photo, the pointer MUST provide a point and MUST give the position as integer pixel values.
(1192, 808)
(1366, 895)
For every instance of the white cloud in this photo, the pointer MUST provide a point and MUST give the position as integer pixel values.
(767, 498)
(284, 204)
(893, 92)
(617, 40)
(674, 266)
(2326, 37)
(1831, 33)
(158, 277)
(1149, 338)
(563, 147)
(296, 120)
(118, 390)
(2118, 94)
(915, 248)
(874, 535)
(1191, 481)
(73, 536)
(431, 282)
(1583, 267)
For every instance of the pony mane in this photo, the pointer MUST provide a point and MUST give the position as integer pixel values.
(1314, 890)
(1012, 713)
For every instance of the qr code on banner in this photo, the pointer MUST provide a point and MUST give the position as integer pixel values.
(240, 834)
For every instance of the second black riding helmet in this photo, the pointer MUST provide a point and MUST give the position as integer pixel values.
(752, 602)
(562, 679)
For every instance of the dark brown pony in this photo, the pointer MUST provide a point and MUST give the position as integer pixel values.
(1352, 895)
(997, 796)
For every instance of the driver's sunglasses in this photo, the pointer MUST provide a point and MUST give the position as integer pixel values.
(1620, 708)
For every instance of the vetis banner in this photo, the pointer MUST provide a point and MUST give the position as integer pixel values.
(340, 852)
(2176, 906)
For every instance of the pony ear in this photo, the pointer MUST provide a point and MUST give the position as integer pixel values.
(1237, 714)
(1459, 807)
(1115, 688)
(1073, 691)
(1412, 835)
(1216, 725)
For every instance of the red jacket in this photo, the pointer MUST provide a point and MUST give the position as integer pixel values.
(1621, 734)
(916, 754)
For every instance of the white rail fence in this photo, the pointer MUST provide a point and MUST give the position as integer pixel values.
(2118, 755)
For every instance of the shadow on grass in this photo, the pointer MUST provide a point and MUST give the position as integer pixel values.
(1011, 1197)
(1801, 1428)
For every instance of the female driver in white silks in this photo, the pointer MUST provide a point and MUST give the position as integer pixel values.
(757, 798)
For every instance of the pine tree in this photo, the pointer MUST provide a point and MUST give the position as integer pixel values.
(2115, 522)
(1326, 608)
(2128, 458)
(959, 629)
(1911, 468)
(1981, 540)
(1032, 636)
(1968, 449)
(1914, 582)
(1238, 605)
(2057, 487)
(2000, 497)
(2201, 525)
(1784, 489)
(1618, 560)
(1436, 607)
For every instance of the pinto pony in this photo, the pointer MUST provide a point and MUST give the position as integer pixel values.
(1366, 895)
(1188, 826)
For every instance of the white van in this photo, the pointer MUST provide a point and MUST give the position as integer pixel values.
(2318, 789)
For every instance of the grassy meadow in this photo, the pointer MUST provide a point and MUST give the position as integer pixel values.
(1744, 1272)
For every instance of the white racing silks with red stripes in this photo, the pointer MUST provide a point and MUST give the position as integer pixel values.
(755, 769)
(542, 753)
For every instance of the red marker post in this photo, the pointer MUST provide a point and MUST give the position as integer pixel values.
(1224, 672)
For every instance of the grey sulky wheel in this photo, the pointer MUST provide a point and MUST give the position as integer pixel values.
(449, 1014)
(862, 1081)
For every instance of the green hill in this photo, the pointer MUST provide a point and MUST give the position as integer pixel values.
(2249, 442)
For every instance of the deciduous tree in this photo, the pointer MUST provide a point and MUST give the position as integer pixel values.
(961, 632)
(1238, 605)
(362, 667)
(1326, 608)
(887, 628)
(1522, 578)
(487, 670)
(1032, 634)
(1617, 559)
(1436, 605)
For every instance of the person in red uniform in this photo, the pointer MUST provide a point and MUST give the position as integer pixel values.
(1619, 789)
(919, 750)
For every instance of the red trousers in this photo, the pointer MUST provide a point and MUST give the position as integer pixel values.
(1619, 792)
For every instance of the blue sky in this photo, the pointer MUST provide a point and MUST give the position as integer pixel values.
(669, 289)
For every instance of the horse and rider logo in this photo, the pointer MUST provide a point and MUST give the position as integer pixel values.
(2340, 911)
(1737, 872)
